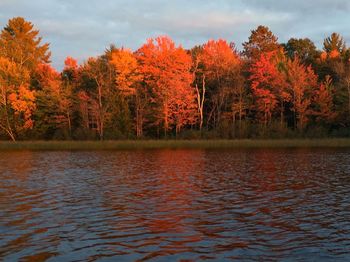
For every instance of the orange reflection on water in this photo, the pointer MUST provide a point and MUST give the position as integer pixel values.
(161, 201)
(177, 188)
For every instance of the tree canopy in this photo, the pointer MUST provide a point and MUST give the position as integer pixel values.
(162, 90)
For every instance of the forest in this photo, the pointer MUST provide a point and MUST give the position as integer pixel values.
(164, 91)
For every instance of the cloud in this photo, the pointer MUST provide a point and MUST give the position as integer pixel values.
(301, 6)
(85, 28)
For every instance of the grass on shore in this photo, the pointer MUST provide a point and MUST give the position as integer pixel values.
(174, 144)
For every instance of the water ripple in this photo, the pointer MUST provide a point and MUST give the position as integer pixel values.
(175, 205)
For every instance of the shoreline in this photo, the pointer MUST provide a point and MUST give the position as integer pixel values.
(175, 144)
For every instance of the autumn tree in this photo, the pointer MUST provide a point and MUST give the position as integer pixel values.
(71, 70)
(128, 83)
(334, 62)
(261, 40)
(222, 67)
(69, 80)
(21, 43)
(346, 80)
(20, 51)
(334, 50)
(161, 86)
(54, 103)
(323, 99)
(268, 83)
(302, 81)
(199, 81)
(98, 86)
(165, 69)
(342, 88)
(17, 101)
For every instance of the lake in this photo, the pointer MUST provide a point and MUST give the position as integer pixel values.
(281, 204)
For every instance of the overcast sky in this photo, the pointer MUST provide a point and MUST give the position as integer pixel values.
(85, 28)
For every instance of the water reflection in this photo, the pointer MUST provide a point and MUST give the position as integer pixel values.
(175, 204)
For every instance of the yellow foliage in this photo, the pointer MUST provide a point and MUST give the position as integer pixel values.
(15, 92)
(126, 68)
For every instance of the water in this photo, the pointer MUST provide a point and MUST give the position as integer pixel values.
(175, 205)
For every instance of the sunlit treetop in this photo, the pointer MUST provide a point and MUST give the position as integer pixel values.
(21, 43)
(260, 41)
(10, 73)
(220, 54)
(47, 77)
(126, 68)
(335, 42)
(70, 63)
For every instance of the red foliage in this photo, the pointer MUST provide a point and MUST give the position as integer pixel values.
(268, 83)
(48, 77)
(219, 57)
(166, 70)
(70, 63)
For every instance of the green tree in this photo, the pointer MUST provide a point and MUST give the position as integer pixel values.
(261, 40)
(70, 80)
(304, 48)
(335, 42)
(52, 117)
(96, 82)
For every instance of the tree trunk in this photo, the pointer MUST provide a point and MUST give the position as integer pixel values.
(69, 124)
(166, 115)
(137, 116)
(234, 124)
(200, 102)
(100, 109)
(8, 128)
(348, 88)
(282, 114)
(240, 112)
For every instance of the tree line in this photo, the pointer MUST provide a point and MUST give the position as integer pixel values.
(162, 90)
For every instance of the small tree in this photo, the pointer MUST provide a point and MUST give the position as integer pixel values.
(323, 99)
(302, 82)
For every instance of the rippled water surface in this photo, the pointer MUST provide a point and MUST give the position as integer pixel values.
(175, 204)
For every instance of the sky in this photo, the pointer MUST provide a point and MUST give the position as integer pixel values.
(86, 28)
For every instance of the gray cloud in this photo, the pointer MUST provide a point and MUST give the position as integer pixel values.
(301, 6)
(85, 28)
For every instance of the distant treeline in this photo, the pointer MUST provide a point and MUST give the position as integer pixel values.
(165, 91)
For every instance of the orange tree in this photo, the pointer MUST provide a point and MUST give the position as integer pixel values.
(16, 99)
(221, 71)
(302, 82)
(128, 84)
(165, 70)
(268, 83)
